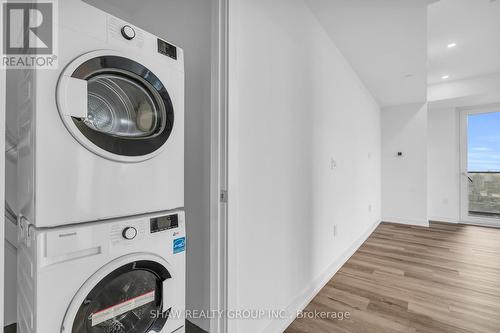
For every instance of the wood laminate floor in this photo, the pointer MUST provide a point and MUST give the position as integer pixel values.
(441, 279)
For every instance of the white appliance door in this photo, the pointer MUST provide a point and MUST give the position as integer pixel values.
(115, 107)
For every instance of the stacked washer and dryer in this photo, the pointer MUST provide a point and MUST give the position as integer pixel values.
(100, 181)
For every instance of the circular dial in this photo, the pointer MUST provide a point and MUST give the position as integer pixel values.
(129, 233)
(128, 32)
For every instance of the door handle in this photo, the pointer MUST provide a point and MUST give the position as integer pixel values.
(465, 174)
(168, 294)
(72, 96)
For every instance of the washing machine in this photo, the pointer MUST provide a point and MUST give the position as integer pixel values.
(102, 136)
(119, 276)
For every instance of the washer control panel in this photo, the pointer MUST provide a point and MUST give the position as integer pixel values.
(163, 223)
(129, 233)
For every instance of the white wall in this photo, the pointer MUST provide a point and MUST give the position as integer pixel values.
(404, 179)
(187, 23)
(295, 104)
(444, 165)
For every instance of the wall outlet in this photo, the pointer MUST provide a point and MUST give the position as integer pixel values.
(369, 208)
(335, 230)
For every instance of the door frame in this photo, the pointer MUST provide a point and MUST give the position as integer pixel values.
(3, 88)
(218, 167)
(464, 185)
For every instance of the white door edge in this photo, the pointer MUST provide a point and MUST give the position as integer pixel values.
(218, 167)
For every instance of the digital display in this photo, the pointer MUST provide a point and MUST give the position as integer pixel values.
(167, 49)
(163, 223)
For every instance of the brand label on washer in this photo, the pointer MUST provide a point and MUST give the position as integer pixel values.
(179, 245)
(121, 308)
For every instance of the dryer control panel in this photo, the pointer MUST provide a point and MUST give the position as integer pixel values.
(167, 49)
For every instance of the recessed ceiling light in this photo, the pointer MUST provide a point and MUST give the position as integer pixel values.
(452, 45)
(444, 77)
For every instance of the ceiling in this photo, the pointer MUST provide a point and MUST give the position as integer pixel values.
(474, 25)
(385, 41)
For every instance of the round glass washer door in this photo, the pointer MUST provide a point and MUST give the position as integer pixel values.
(127, 300)
(116, 107)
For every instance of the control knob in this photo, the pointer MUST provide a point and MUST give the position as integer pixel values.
(129, 233)
(128, 32)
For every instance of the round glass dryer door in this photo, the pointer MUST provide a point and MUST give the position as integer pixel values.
(116, 107)
(128, 300)
(121, 107)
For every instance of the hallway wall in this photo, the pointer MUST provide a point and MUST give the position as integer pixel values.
(404, 178)
(304, 170)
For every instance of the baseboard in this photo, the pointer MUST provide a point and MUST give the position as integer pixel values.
(399, 220)
(443, 219)
(307, 295)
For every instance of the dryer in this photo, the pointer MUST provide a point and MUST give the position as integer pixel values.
(102, 136)
(120, 276)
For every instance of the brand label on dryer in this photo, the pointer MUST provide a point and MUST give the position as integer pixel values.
(179, 245)
(121, 308)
